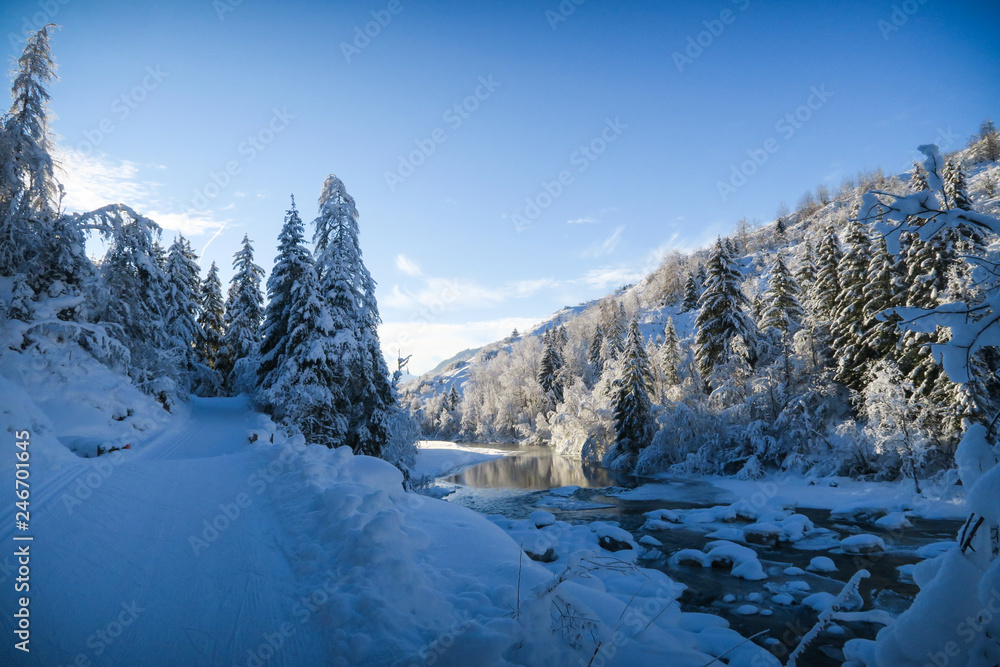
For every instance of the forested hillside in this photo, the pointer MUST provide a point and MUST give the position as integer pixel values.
(791, 345)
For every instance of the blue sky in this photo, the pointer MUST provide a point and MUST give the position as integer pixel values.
(155, 98)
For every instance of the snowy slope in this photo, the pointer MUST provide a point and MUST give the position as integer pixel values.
(196, 546)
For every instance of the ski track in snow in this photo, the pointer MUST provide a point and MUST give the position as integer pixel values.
(219, 604)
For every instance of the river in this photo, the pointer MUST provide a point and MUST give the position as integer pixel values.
(516, 485)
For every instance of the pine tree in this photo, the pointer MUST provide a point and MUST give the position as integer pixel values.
(690, 294)
(133, 301)
(350, 299)
(918, 181)
(549, 369)
(782, 309)
(955, 191)
(453, 399)
(806, 275)
(670, 354)
(210, 318)
(292, 265)
(181, 307)
(826, 287)
(614, 329)
(883, 290)
(28, 189)
(308, 388)
(594, 353)
(722, 316)
(632, 407)
(244, 316)
(848, 318)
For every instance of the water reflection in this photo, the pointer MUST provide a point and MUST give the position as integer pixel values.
(533, 469)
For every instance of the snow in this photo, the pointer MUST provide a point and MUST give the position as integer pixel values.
(436, 458)
(821, 564)
(227, 549)
(542, 518)
(862, 544)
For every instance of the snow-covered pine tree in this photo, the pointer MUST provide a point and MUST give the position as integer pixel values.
(210, 318)
(594, 357)
(847, 327)
(670, 354)
(883, 291)
(781, 307)
(826, 287)
(690, 294)
(806, 274)
(549, 377)
(918, 181)
(308, 388)
(291, 266)
(133, 297)
(181, 309)
(244, 316)
(29, 192)
(632, 407)
(722, 316)
(955, 191)
(350, 299)
(963, 581)
(614, 328)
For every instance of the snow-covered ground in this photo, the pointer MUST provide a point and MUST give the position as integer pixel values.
(437, 457)
(840, 495)
(215, 540)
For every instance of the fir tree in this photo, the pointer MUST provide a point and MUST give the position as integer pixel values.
(549, 369)
(350, 300)
(28, 188)
(632, 407)
(847, 325)
(883, 291)
(291, 266)
(308, 387)
(806, 275)
(722, 316)
(918, 181)
(670, 354)
(594, 353)
(690, 294)
(782, 309)
(244, 317)
(614, 329)
(826, 287)
(955, 193)
(210, 318)
(181, 306)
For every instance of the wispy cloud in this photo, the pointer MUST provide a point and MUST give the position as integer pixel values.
(407, 265)
(582, 221)
(92, 181)
(605, 247)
